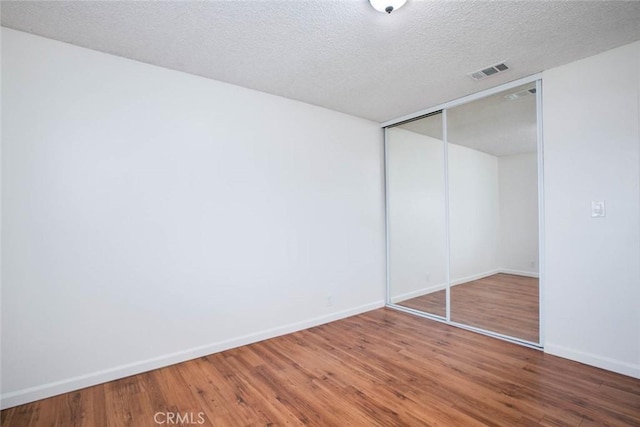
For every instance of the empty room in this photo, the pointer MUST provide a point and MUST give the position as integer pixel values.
(323, 212)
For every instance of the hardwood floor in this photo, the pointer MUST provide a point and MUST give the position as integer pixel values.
(382, 368)
(503, 303)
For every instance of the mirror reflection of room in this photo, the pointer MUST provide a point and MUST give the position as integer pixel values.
(491, 247)
(416, 213)
(493, 213)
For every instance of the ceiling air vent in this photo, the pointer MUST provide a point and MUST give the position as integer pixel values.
(520, 94)
(489, 71)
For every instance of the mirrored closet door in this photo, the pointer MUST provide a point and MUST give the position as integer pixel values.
(463, 214)
(417, 215)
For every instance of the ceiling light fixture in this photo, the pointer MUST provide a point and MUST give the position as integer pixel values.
(387, 5)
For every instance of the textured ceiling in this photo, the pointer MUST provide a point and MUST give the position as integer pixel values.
(341, 55)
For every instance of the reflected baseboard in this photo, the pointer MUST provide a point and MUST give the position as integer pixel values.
(418, 293)
(479, 276)
(520, 272)
(473, 277)
(442, 286)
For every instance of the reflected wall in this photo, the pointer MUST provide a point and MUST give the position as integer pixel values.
(416, 216)
(493, 214)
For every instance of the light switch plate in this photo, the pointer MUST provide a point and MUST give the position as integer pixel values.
(598, 209)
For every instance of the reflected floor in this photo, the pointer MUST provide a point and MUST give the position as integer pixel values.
(504, 303)
(434, 303)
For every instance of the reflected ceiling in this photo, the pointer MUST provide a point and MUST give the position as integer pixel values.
(496, 125)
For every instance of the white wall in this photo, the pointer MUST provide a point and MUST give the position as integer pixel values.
(592, 152)
(417, 224)
(518, 207)
(151, 216)
(473, 213)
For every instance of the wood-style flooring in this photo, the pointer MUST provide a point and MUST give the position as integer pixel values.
(434, 303)
(503, 303)
(381, 368)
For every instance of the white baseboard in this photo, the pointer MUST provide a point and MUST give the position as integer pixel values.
(613, 365)
(417, 293)
(19, 397)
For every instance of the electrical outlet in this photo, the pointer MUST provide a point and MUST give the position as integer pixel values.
(533, 264)
(428, 277)
(598, 209)
(329, 300)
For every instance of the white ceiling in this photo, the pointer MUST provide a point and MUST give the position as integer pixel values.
(341, 55)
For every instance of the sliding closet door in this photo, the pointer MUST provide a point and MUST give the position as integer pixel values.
(416, 215)
(493, 213)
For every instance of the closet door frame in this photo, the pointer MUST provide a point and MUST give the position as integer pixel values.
(537, 78)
